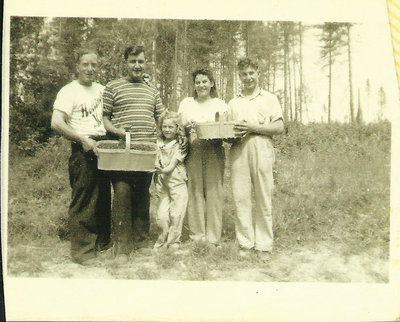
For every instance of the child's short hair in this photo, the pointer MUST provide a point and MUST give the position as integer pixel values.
(175, 117)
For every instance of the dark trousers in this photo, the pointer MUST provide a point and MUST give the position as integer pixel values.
(90, 208)
(130, 210)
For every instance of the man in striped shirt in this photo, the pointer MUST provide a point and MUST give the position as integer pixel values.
(130, 103)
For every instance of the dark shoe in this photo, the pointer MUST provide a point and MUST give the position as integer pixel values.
(264, 256)
(245, 253)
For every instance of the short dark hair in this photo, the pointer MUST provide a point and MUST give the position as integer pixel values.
(84, 50)
(133, 50)
(247, 62)
(205, 72)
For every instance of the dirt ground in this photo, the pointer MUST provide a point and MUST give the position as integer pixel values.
(304, 263)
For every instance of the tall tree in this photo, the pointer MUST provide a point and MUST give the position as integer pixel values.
(332, 41)
(301, 87)
(348, 27)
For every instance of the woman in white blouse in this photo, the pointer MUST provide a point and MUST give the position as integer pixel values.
(205, 161)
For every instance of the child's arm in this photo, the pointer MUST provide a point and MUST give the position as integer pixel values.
(170, 167)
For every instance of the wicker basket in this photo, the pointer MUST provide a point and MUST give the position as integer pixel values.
(128, 159)
(220, 129)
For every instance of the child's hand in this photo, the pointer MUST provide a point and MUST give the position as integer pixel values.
(157, 169)
(162, 170)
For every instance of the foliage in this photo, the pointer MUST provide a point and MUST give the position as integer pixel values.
(43, 59)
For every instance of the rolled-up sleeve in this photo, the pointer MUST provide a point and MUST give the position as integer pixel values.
(275, 108)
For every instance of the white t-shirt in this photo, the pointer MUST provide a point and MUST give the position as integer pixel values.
(83, 106)
(192, 111)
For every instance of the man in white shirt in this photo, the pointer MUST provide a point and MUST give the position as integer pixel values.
(77, 115)
(258, 116)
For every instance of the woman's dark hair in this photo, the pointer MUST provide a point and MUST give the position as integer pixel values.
(205, 72)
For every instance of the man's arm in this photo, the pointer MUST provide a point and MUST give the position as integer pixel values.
(269, 129)
(59, 124)
(120, 132)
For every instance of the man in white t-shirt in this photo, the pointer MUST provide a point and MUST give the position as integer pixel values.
(77, 115)
(258, 116)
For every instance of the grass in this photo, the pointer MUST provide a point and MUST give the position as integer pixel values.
(332, 188)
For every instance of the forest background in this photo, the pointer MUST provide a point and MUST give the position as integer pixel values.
(322, 88)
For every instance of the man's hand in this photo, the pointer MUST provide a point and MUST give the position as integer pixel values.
(183, 144)
(243, 128)
(89, 145)
(121, 133)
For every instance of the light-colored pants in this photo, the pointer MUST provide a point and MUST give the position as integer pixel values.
(205, 166)
(251, 167)
(173, 199)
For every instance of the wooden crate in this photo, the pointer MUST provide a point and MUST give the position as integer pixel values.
(128, 159)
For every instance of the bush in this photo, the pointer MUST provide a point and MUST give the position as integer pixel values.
(38, 192)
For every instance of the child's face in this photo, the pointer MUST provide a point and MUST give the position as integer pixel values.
(169, 129)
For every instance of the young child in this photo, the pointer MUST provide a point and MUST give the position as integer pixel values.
(170, 182)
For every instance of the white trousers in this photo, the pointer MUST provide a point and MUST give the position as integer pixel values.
(251, 168)
(172, 204)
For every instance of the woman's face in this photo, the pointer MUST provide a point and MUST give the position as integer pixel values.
(202, 85)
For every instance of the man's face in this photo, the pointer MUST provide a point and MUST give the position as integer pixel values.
(136, 64)
(86, 68)
(249, 78)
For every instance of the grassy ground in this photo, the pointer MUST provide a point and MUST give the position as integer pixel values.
(331, 216)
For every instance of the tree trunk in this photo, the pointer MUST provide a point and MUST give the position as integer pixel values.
(285, 89)
(290, 82)
(350, 75)
(296, 107)
(175, 83)
(301, 73)
(330, 86)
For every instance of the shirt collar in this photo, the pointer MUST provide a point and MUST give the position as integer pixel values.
(257, 92)
(168, 145)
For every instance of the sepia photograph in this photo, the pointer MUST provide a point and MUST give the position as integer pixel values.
(205, 152)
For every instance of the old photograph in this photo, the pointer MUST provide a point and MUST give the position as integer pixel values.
(199, 150)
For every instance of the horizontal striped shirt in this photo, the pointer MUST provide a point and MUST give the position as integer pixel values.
(134, 105)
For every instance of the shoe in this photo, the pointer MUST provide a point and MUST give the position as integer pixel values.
(245, 253)
(145, 251)
(106, 254)
(121, 259)
(90, 262)
(174, 246)
(263, 255)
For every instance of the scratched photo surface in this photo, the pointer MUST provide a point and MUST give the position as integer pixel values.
(337, 90)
